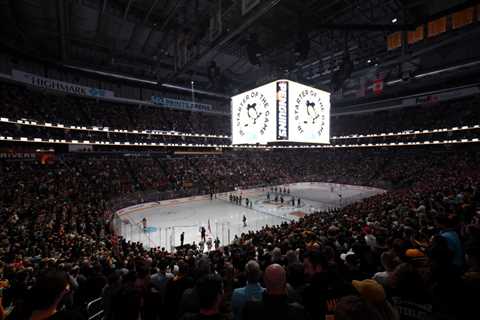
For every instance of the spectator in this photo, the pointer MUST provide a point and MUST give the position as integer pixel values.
(354, 308)
(445, 279)
(324, 286)
(47, 295)
(471, 278)
(472, 250)
(159, 282)
(109, 292)
(409, 294)
(389, 261)
(3, 314)
(190, 302)
(374, 294)
(210, 292)
(295, 285)
(175, 289)
(275, 303)
(251, 292)
(127, 303)
(447, 231)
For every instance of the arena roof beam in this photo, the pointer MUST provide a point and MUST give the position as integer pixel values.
(231, 35)
(127, 9)
(61, 12)
(356, 9)
(365, 27)
(170, 15)
(147, 16)
(100, 16)
(165, 22)
(145, 21)
(320, 36)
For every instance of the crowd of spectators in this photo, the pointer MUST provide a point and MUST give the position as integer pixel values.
(17, 131)
(23, 103)
(411, 253)
(463, 112)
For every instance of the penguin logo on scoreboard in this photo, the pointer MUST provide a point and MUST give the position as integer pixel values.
(252, 114)
(309, 113)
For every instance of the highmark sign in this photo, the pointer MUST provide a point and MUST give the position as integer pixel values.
(52, 84)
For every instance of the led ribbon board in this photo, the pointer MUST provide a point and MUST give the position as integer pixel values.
(281, 111)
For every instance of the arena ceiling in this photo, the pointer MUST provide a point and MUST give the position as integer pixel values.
(139, 37)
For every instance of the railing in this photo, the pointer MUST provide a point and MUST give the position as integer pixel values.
(405, 132)
(95, 309)
(166, 235)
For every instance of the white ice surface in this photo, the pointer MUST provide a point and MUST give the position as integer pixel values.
(170, 220)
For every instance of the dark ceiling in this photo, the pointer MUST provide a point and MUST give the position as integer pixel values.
(139, 37)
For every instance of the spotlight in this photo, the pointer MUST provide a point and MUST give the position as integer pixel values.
(394, 20)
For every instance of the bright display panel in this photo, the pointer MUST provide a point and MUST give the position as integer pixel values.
(282, 110)
(253, 116)
(309, 114)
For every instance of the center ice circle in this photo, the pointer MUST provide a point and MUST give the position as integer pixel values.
(270, 204)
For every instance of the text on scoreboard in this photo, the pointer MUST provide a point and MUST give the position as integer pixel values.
(282, 110)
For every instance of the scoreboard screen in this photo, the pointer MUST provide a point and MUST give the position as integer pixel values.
(282, 110)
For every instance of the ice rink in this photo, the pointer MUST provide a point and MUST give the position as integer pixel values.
(166, 220)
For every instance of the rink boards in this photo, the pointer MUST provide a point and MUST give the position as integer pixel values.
(167, 219)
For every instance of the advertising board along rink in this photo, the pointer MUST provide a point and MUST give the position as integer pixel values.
(223, 219)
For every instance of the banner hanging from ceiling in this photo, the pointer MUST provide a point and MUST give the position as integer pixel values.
(52, 84)
(180, 104)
